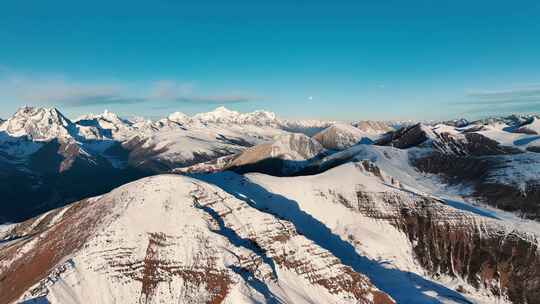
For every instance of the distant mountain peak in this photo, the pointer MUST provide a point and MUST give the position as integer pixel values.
(341, 136)
(179, 117)
(54, 113)
(223, 109)
(220, 114)
(40, 124)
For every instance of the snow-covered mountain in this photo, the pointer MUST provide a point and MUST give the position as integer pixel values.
(491, 163)
(108, 124)
(489, 160)
(532, 127)
(342, 136)
(375, 127)
(38, 124)
(268, 210)
(228, 238)
(42, 150)
(287, 155)
(40, 145)
(171, 239)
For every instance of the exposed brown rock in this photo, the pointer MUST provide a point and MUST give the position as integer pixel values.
(53, 245)
(475, 171)
(405, 137)
(450, 242)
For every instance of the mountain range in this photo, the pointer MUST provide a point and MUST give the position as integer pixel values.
(229, 207)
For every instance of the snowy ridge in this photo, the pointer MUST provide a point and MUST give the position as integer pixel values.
(384, 223)
(321, 219)
(174, 239)
(532, 127)
(287, 154)
(40, 124)
(343, 136)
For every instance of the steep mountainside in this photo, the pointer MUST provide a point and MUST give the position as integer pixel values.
(171, 239)
(343, 136)
(373, 127)
(493, 160)
(416, 248)
(286, 155)
(228, 238)
(532, 127)
(266, 215)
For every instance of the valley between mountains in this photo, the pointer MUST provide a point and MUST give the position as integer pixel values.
(229, 207)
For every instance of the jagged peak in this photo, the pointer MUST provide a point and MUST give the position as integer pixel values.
(40, 113)
(222, 109)
(109, 115)
(38, 123)
(178, 117)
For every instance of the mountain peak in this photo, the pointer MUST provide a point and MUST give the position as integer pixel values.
(38, 123)
(219, 115)
(29, 111)
(221, 109)
(179, 117)
(341, 136)
(109, 115)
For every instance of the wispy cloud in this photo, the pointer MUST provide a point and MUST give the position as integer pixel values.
(529, 94)
(521, 99)
(61, 91)
(185, 93)
(216, 99)
(170, 90)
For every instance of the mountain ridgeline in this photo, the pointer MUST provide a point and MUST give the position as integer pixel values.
(229, 207)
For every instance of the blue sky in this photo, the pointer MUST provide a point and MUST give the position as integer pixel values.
(302, 59)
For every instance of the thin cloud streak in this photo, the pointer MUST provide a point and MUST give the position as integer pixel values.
(59, 91)
(519, 100)
(529, 94)
(216, 99)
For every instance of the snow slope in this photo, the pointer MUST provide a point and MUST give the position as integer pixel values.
(172, 239)
(343, 136)
(357, 218)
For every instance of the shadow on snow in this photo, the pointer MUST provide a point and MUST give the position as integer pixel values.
(403, 286)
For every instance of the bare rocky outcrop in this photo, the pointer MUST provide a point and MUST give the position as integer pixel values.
(49, 240)
(507, 263)
(485, 254)
(332, 276)
(405, 137)
(483, 174)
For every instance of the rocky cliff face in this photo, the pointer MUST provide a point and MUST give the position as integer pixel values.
(483, 253)
(406, 137)
(507, 263)
(493, 179)
(478, 157)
